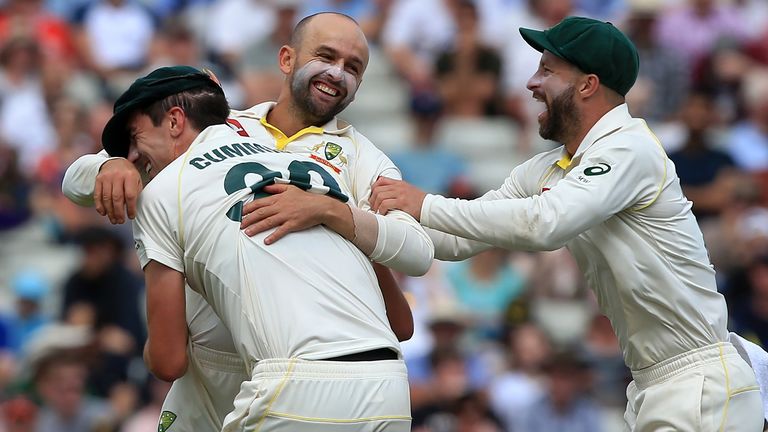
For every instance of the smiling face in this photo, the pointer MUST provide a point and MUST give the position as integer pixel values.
(553, 84)
(151, 147)
(330, 59)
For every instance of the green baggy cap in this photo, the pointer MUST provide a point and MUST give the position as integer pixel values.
(159, 84)
(595, 47)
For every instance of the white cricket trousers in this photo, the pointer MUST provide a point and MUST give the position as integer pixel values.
(292, 395)
(708, 389)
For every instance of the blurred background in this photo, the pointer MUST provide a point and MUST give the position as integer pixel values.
(504, 341)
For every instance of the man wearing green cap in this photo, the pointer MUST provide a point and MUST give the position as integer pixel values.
(400, 242)
(612, 197)
(306, 315)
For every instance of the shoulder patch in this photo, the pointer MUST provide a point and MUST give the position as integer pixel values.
(598, 169)
(166, 420)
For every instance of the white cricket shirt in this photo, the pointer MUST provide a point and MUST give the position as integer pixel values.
(311, 295)
(618, 207)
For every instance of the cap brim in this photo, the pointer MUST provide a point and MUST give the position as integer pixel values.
(537, 39)
(114, 138)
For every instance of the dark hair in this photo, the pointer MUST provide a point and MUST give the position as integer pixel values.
(204, 106)
(297, 35)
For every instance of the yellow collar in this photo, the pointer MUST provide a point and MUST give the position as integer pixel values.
(281, 140)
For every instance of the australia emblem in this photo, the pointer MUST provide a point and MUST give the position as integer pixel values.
(332, 150)
(166, 420)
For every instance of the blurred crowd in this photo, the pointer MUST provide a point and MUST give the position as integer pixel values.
(504, 341)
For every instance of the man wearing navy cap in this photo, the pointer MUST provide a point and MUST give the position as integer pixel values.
(612, 197)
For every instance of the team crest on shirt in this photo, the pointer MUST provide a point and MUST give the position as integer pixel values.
(166, 420)
(330, 151)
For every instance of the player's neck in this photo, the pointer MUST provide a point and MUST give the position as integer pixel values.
(286, 118)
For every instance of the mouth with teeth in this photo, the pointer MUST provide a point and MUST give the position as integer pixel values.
(542, 115)
(326, 89)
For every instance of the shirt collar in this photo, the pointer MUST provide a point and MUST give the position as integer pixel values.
(608, 124)
(334, 127)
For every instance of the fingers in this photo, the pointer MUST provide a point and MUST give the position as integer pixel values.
(382, 194)
(97, 194)
(106, 201)
(264, 225)
(387, 205)
(279, 233)
(118, 202)
(277, 188)
(131, 197)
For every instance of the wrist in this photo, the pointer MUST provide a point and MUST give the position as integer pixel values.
(338, 217)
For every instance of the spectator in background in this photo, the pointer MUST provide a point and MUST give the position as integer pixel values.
(664, 77)
(750, 310)
(23, 98)
(564, 408)
(706, 173)
(513, 392)
(260, 76)
(428, 165)
(485, 285)
(113, 36)
(748, 143)
(60, 381)
(519, 59)
(29, 288)
(693, 30)
(29, 18)
(15, 189)
(18, 415)
(103, 285)
(468, 61)
(416, 33)
(145, 420)
(449, 383)
(234, 25)
(175, 44)
(473, 414)
(611, 376)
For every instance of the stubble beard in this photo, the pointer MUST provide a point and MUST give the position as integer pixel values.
(563, 117)
(305, 106)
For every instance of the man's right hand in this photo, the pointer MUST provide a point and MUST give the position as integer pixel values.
(117, 189)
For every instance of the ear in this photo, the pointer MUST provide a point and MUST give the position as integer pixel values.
(286, 59)
(588, 85)
(177, 121)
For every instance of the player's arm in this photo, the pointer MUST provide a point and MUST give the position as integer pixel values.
(112, 185)
(398, 310)
(166, 350)
(161, 257)
(606, 182)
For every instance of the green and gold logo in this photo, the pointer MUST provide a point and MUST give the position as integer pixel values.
(332, 150)
(166, 420)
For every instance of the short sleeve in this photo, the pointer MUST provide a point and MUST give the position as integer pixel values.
(155, 232)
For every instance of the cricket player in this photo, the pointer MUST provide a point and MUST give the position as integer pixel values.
(612, 197)
(337, 146)
(306, 315)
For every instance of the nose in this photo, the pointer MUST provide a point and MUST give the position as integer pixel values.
(336, 72)
(133, 154)
(533, 82)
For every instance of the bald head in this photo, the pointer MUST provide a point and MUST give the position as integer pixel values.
(324, 65)
(321, 19)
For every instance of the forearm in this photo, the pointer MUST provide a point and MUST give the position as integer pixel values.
(449, 247)
(396, 240)
(80, 178)
(398, 310)
(519, 224)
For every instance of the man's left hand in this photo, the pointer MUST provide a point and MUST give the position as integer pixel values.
(388, 194)
(288, 209)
